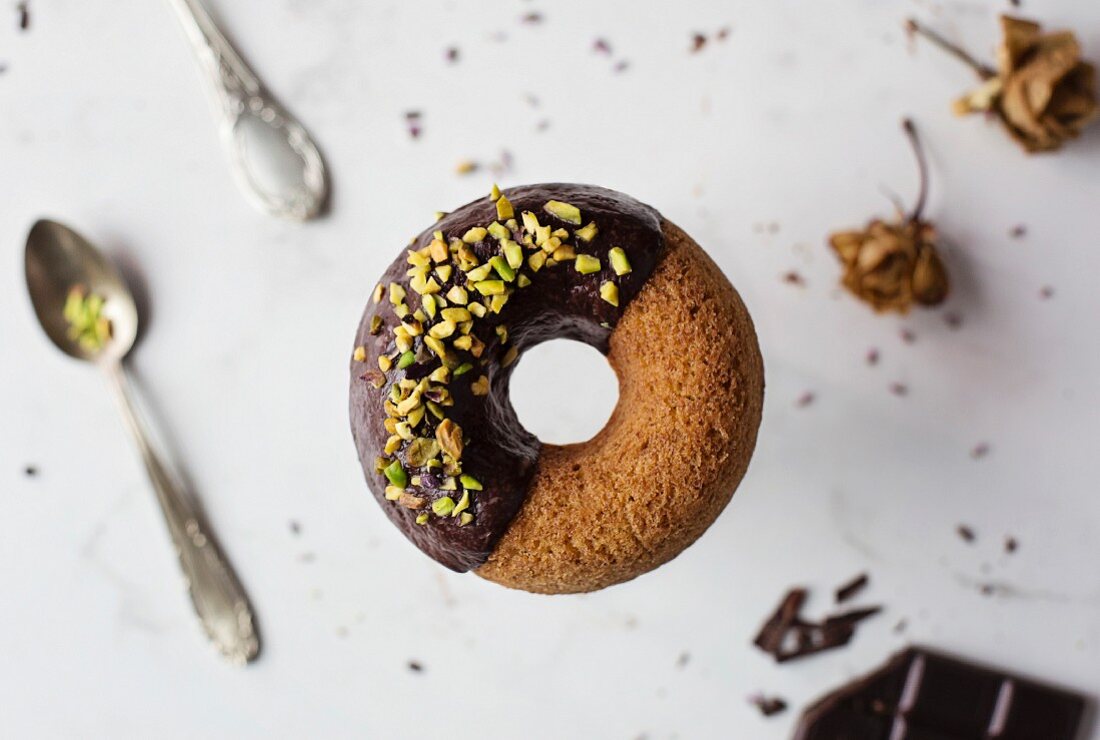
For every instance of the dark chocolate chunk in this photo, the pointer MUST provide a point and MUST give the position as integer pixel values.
(922, 694)
(786, 635)
(415, 666)
(768, 705)
(851, 588)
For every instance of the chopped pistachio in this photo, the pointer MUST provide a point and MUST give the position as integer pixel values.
(443, 506)
(469, 482)
(422, 286)
(619, 262)
(477, 309)
(503, 269)
(393, 493)
(610, 293)
(376, 378)
(463, 504)
(504, 208)
(480, 387)
(437, 234)
(422, 518)
(474, 235)
(393, 444)
(435, 409)
(564, 253)
(509, 356)
(415, 417)
(421, 450)
(439, 251)
(436, 346)
(465, 519)
(410, 501)
(523, 281)
(514, 254)
(586, 264)
(439, 215)
(479, 273)
(442, 330)
(496, 303)
(375, 325)
(463, 369)
(530, 222)
(456, 315)
(467, 260)
(408, 404)
(542, 235)
(397, 294)
(396, 474)
(402, 310)
(360, 354)
(502, 333)
(476, 346)
(403, 341)
(566, 212)
(384, 363)
(449, 484)
(379, 293)
(444, 272)
(406, 359)
(536, 261)
(463, 342)
(429, 304)
(449, 436)
(490, 287)
(416, 259)
(499, 231)
(457, 294)
(441, 374)
(588, 233)
(494, 193)
(404, 431)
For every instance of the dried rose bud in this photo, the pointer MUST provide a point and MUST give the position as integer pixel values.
(892, 265)
(1042, 91)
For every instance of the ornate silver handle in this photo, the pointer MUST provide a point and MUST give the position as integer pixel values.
(219, 599)
(275, 161)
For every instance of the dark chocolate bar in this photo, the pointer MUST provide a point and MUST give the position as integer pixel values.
(923, 695)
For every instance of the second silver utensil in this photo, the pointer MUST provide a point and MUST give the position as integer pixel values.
(274, 159)
(57, 260)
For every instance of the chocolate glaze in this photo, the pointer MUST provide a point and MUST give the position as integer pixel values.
(559, 303)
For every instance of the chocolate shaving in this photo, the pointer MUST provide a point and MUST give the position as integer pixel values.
(966, 533)
(851, 588)
(872, 356)
(24, 11)
(787, 636)
(899, 389)
(1011, 545)
(1046, 292)
(1019, 231)
(30, 471)
(768, 705)
(601, 46)
(979, 450)
(805, 399)
(793, 278)
(698, 41)
(451, 55)
(415, 667)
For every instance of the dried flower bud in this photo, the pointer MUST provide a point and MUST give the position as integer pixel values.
(892, 265)
(1042, 91)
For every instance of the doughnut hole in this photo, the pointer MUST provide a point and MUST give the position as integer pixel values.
(563, 391)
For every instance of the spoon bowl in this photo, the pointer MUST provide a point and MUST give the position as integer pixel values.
(58, 259)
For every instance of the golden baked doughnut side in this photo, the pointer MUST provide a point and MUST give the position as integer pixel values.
(691, 391)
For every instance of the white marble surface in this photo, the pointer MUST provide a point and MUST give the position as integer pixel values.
(792, 121)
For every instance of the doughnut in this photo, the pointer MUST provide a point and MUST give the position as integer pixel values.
(440, 444)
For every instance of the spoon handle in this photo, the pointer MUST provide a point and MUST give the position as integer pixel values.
(292, 183)
(219, 599)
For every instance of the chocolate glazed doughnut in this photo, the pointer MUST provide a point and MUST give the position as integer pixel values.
(440, 444)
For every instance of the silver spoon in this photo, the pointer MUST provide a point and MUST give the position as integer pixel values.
(57, 259)
(274, 159)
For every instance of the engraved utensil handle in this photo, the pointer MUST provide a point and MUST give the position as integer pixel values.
(219, 599)
(275, 161)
